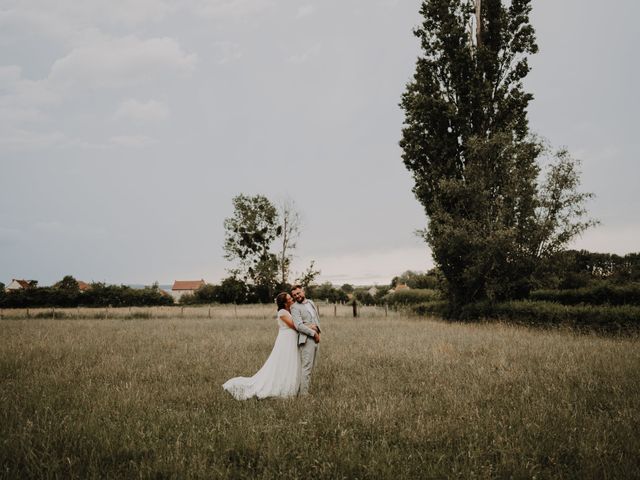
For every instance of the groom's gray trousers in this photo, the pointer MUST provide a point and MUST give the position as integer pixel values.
(308, 358)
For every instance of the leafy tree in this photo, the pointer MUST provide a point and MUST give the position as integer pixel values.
(205, 294)
(466, 141)
(68, 283)
(249, 234)
(264, 279)
(347, 288)
(232, 290)
(327, 292)
(363, 296)
(416, 279)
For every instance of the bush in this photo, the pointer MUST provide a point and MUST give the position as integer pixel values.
(598, 317)
(411, 297)
(328, 293)
(429, 280)
(597, 295)
(99, 295)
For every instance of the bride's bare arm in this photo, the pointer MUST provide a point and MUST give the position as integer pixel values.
(287, 319)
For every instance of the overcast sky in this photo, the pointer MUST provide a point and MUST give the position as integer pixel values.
(127, 126)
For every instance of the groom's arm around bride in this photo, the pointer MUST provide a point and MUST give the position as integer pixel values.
(304, 331)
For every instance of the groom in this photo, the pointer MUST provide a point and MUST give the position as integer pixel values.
(307, 320)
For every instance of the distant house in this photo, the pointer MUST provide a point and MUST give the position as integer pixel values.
(17, 285)
(373, 291)
(83, 286)
(182, 287)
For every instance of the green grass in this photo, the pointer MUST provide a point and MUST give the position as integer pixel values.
(391, 398)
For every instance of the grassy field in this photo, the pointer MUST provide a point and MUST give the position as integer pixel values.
(392, 397)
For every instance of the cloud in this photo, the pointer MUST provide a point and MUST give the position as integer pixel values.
(121, 62)
(29, 140)
(11, 236)
(111, 63)
(70, 20)
(389, 3)
(132, 141)
(305, 11)
(18, 92)
(227, 52)
(12, 115)
(231, 8)
(306, 55)
(18, 139)
(143, 112)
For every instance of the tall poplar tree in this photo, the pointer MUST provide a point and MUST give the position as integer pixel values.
(491, 221)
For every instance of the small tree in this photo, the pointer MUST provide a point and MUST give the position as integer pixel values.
(308, 277)
(290, 223)
(347, 288)
(249, 234)
(68, 283)
(232, 290)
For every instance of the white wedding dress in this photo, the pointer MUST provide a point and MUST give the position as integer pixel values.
(280, 374)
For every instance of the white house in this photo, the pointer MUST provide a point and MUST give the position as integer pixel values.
(373, 291)
(182, 287)
(16, 285)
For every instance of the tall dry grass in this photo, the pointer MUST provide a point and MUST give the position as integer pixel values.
(391, 398)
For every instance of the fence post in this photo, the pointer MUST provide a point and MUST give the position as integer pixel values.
(181, 312)
(28, 314)
(235, 310)
(355, 308)
(209, 311)
(386, 309)
(335, 309)
(106, 312)
(53, 313)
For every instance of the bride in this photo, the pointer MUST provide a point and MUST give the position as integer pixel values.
(280, 374)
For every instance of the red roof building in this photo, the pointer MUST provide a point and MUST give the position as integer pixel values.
(181, 287)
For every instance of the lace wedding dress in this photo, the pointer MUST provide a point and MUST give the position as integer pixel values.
(280, 374)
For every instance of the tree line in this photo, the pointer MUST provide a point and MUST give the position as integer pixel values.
(578, 276)
(67, 294)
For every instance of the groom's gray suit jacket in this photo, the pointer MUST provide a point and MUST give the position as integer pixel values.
(303, 319)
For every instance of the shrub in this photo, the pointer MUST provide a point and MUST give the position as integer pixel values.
(411, 297)
(598, 317)
(327, 292)
(597, 295)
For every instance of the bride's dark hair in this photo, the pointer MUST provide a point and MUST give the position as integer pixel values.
(281, 300)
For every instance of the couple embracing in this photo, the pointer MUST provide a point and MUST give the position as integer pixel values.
(287, 371)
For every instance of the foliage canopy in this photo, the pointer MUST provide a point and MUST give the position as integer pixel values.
(492, 221)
